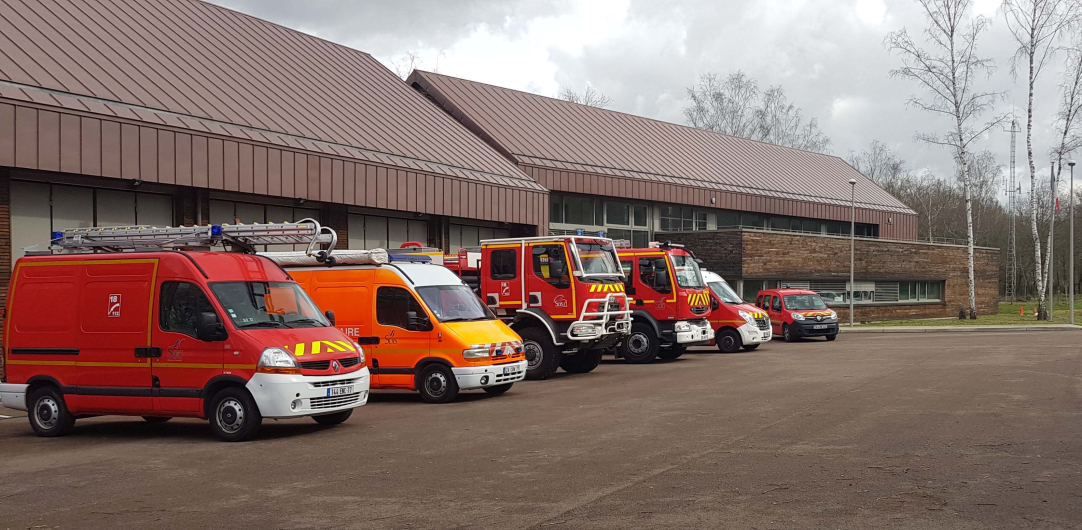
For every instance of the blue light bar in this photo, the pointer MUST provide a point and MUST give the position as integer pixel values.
(579, 232)
(216, 231)
(409, 257)
(57, 236)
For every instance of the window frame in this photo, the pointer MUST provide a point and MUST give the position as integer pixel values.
(411, 296)
(493, 261)
(172, 297)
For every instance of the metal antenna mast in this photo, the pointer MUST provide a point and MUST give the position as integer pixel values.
(1011, 290)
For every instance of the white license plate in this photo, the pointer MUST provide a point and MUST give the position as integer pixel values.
(339, 390)
(507, 370)
(819, 326)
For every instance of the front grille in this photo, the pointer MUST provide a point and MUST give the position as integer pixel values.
(348, 361)
(335, 401)
(339, 382)
(316, 365)
(614, 306)
(763, 323)
(699, 310)
(501, 378)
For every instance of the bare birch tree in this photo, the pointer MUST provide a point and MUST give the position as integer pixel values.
(588, 97)
(1036, 26)
(947, 67)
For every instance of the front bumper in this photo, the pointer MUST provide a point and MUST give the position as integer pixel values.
(470, 377)
(700, 332)
(291, 396)
(13, 396)
(807, 328)
(750, 334)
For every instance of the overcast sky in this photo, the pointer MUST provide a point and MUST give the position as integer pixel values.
(828, 54)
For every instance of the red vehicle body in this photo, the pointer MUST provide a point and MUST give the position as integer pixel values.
(736, 324)
(797, 313)
(669, 302)
(219, 335)
(564, 295)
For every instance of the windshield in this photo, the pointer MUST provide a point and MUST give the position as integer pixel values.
(804, 301)
(454, 303)
(687, 272)
(597, 258)
(725, 293)
(267, 305)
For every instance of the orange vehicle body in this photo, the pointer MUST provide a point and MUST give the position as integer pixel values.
(669, 302)
(422, 328)
(115, 333)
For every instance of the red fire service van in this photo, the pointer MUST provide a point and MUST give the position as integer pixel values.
(669, 302)
(736, 324)
(564, 295)
(126, 321)
(796, 313)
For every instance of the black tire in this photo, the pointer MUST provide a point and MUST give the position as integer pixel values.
(333, 419)
(234, 416)
(48, 412)
(672, 352)
(437, 384)
(728, 340)
(582, 362)
(157, 419)
(832, 337)
(785, 335)
(542, 359)
(640, 347)
(496, 390)
(750, 347)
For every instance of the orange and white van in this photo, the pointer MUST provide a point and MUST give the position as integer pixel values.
(422, 327)
(225, 336)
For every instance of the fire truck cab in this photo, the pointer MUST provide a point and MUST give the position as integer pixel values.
(564, 295)
(669, 302)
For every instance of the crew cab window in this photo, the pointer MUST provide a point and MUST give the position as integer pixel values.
(654, 273)
(180, 305)
(503, 264)
(775, 304)
(550, 264)
(392, 304)
(629, 285)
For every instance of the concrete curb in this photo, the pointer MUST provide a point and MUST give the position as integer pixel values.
(958, 329)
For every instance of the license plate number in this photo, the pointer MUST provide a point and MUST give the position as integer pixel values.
(339, 390)
(507, 370)
(819, 326)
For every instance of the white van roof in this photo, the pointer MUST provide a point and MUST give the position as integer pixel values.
(427, 274)
(710, 276)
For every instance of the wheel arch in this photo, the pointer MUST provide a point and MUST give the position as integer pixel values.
(425, 363)
(639, 315)
(217, 384)
(532, 317)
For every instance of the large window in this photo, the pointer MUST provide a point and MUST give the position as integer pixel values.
(180, 306)
(654, 273)
(687, 272)
(267, 305)
(376, 231)
(835, 292)
(550, 264)
(503, 264)
(392, 304)
(454, 303)
(682, 219)
(471, 236)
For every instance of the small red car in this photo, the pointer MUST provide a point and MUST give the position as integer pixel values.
(797, 313)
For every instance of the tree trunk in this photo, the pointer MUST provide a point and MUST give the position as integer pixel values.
(963, 161)
(1038, 273)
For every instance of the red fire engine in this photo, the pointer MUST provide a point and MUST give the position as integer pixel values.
(564, 295)
(669, 302)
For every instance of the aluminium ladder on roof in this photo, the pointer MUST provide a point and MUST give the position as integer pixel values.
(242, 236)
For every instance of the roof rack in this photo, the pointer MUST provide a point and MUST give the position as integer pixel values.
(243, 237)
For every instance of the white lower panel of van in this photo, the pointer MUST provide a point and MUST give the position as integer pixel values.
(13, 396)
(481, 376)
(290, 396)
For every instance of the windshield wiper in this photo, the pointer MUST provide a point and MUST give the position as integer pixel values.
(263, 324)
(305, 321)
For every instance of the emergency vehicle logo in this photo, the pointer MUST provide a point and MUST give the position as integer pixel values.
(390, 338)
(505, 289)
(606, 288)
(175, 353)
(698, 299)
(114, 305)
(335, 366)
(560, 301)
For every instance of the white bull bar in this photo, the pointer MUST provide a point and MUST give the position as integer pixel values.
(608, 323)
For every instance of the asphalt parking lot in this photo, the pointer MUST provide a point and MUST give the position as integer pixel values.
(956, 430)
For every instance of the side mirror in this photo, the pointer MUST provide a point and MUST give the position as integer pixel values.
(330, 316)
(417, 323)
(661, 280)
(209, 328)
(714, 304)
(557, 269)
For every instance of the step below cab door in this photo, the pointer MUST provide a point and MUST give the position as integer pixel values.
(186, 363)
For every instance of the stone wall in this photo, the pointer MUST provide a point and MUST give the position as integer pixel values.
(761, 254)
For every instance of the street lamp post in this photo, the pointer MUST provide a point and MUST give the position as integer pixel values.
(1051, 245)
(852, 242)
(1070, 267)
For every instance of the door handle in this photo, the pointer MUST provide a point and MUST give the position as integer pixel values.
(151, 351)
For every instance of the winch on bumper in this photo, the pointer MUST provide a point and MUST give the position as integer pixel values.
(472, 377)
(291, 396)
(689, 331)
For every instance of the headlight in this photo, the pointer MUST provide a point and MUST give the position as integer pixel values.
(360, 353)
(797, 316)
(682, 326)
(747, 317)
(833, 314)
(583, 329)
(277, 361)
(475, 352)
